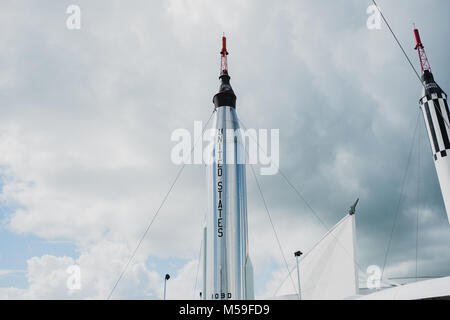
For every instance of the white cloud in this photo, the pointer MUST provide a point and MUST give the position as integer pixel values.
(47, 276)
(86, 118)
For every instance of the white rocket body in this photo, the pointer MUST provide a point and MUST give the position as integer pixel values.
(436, 113)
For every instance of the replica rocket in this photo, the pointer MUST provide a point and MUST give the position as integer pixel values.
(437, 118)
(227, 269)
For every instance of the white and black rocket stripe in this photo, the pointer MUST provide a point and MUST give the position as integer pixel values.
(437, 117)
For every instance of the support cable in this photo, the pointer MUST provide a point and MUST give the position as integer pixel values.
(407, 58)
(305, 202)
(199, 258)
(400, 196)
(198, 268)
(155, 215)
(418, 199)
(273, 228)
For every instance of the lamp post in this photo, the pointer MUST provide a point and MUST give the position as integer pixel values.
(167, 277)
(297, 255)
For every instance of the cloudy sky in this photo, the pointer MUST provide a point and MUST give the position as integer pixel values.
(86, 118)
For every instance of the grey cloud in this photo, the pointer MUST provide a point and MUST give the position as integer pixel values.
(90, 114)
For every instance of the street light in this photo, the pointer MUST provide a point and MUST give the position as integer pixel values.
(167, 277)
(297, 255)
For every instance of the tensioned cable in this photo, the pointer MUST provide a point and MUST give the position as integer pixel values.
(273, 227)
(298, 193)
(407, 58)
(401, 193)
(303, 199)
(305, 255)
(271, 221)
(156, 213)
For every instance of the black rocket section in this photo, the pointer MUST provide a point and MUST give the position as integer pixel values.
(225, 96)
(430, 85)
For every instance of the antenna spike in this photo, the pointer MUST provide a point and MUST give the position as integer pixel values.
(223, 56)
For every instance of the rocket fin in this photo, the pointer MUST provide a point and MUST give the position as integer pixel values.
(249, 289)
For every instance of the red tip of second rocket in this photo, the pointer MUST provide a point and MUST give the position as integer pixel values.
(224, 45)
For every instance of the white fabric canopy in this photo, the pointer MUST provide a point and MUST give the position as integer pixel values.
(328, 271)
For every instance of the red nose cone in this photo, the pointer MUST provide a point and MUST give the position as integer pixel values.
(418, 41)
(224, 46)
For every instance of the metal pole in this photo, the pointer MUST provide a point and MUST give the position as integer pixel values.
(297, 256)
(164, 289)
(167, 277)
